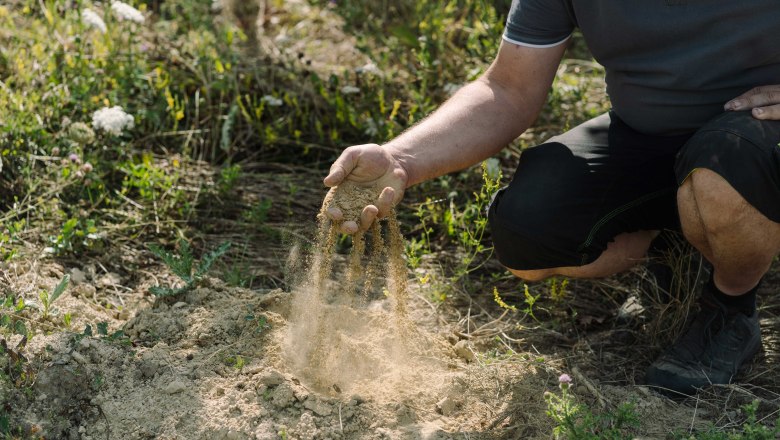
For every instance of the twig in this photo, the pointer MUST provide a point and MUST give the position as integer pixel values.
(589, 385)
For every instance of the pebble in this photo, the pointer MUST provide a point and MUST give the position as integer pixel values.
(271, 378)
(463, 350)
(77, 276)
(179, 305)
(177, 386)
(446, 406)
(78, 357)
(318, 407)
(283, 396)
(110, 279)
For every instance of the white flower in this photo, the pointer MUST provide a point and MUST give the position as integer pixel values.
(91, 18)
(368, 68)
(349, 90)
(272, 101)
(451, 88)
(113, 120)
(123, 11)
(371, 128)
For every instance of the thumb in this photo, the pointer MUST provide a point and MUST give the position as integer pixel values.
(341, 167)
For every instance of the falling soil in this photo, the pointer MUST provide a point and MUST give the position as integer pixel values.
(340, 333)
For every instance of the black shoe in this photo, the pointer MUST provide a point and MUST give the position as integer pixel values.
(711, 351)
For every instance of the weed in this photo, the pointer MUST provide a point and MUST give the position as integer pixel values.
(558, 291)
(257, 214)
(48, 298)
(260, 322)
(751, 429)
(500, 302)
(182, 266)
(11, 318)
(102, 333)
(576, 421)
(236, 361)
(529, 300)
(228, 176)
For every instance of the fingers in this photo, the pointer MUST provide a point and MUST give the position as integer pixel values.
(385, 201)
(349, 227)
(334, 214)
(757, 97)
(341, 167)
(771, 112)
(367, 217)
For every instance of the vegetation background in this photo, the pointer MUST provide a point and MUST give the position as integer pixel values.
(237, 109)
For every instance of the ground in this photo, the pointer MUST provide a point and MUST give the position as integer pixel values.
(475, 354)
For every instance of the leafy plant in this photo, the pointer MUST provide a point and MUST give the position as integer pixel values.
(576, 421)
(751, 429)
(48, 298)
(182, 265)
(260, 322)
(11, 315)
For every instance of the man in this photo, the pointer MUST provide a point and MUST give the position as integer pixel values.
(691, 142)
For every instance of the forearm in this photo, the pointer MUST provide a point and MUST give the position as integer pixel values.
(473, 125)
(482, 117)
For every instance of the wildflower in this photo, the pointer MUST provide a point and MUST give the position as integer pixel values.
(91, 18)
(564, 381)
(113, 120)
(86, 168)
(73, 157)
(368, 68)
(272, 101)
(81, 133)
(123, 11)
(371, 128)
(55, 151)
(349, 90)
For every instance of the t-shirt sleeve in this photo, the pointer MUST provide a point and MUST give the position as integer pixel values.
(538, 23)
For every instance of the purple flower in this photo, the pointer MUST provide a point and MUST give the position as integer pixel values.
(74, 158)
(564, 378)
(87, 168)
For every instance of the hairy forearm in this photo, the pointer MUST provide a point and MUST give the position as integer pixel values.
(476, 123)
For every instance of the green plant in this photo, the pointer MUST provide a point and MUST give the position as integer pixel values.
(228, 176)
(182, 265)
(47, 299)
(75, 235)
(260, 322)
(750, 429)
(558, 289)
(11, 318)
(529, 300)
(497, 298)
(577, 421)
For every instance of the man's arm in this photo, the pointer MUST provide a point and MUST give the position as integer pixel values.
(483, 117)
(477, 122)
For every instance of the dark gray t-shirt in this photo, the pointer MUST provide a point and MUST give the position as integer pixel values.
(671, 64)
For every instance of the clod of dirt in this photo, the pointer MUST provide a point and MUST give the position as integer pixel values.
(446, 406)
(283, 396)
(177, 386)
(464, 351)
(271, 378)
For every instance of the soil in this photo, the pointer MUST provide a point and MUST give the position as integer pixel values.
(319, 361)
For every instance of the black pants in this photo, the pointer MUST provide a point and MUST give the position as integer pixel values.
(573, 194)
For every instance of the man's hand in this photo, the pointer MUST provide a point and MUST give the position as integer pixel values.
(763, 102)
(369, 165)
